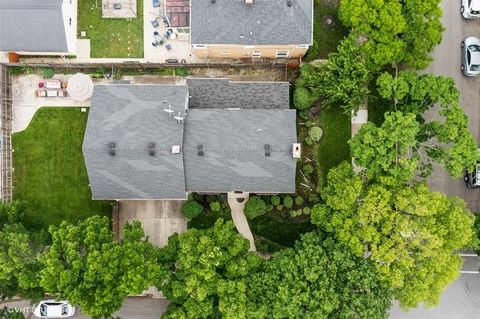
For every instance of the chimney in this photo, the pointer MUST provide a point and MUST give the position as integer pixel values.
(249, 2)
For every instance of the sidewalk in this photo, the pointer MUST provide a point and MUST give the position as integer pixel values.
(238, 216)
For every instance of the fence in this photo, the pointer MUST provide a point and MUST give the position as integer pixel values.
(6, 169)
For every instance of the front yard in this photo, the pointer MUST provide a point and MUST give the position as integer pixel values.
(50, 172)
(110, 38)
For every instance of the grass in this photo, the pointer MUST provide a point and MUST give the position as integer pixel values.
(326, 37)
(111, 38)
(333, 148)
(50, 173)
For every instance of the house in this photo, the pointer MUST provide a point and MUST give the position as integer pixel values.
(251, 28)
(33, 27)
(165, 141)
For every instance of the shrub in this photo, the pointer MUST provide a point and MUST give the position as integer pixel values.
(315, 133)
(307, 169)
(304, 114)
(275, 200)
(211, 198)
(19, 70)
(313, 198)
(279, 207)
(255, 206)
(306, 210)
(298, 200)
(215, 207)
(288, 201)
(48, 73)
(191, 209)
(312, 52)
(269, 208)
(303, 98)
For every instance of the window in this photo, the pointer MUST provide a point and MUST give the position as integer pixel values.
(302, 46)
(246, 53)
(257, 54)
(249, 47)
(225, 53)
(281, 54)
(70, 21)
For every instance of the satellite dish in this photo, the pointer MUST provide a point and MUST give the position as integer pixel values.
(179, 118)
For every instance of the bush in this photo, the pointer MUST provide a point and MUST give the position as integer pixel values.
(303, 98)
(19, 70)
(306, 210)
(288, 201)
(313, 52)
(307, 169)
(298, 200)
(211, 198)
(313, 198)
(215, 207)
(315, 133)
(48, 73)
(254, 207)
(191, 209)
(269, 208)
(275, 200)
(279, 207)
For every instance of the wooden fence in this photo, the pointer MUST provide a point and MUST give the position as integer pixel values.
(6, 168)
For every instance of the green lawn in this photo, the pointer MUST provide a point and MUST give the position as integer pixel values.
(333, 148)
(50, 172)
(326, 37)
(111, 38)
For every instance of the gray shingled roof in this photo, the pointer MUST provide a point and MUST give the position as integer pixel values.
(234, 155)
(221, 93)
(32, 26)
(233, 142)
(132, 116)
(265, 22)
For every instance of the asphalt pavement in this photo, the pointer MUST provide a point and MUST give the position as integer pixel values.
(133, 308)
(447, 62)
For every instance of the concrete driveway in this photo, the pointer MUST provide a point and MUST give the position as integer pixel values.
(159, 218)
(447, 63)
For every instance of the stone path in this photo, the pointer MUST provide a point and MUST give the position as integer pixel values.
(238, 216)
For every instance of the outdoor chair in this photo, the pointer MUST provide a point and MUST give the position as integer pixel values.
(155, 23)
(168, 47)
(167, 35)
(156, 33)
(156, 3)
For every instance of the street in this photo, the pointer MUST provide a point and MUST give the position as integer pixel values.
(447, 63)
(133, 308)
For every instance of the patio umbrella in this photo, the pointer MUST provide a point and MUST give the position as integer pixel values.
(80, 87)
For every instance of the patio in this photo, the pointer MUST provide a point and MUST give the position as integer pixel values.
(175, 46)
(119, 9)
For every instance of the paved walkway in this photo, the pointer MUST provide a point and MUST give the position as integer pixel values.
(239, 218)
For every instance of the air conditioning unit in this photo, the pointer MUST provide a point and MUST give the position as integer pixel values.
(297, 150)
(176, 149)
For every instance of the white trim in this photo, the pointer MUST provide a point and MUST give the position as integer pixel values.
(199, 46)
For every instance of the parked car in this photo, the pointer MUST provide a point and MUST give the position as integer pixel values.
(54, 309)
(470, 56)
(473, 178)
(470, 9)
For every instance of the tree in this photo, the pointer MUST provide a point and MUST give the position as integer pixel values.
(255, 206)
(409, 232)
(343, 80)
(87, 267)
(191, 209)
(447, 141)
(305, 93)
(396, 31)
(388, 150)
(318, 278)
(208, 273)
(19, 251)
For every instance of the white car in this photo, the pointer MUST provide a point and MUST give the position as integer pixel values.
(470, 56)
(54, 309)
(470, 9)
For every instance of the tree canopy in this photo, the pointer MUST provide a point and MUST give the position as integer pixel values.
(409, 232)
(19, 251)
(396, 31)
(208, 273)
(318, 278)
(87, 267)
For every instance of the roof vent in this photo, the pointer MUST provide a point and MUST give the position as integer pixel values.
(266, 147)
(176, 149)
(111, 148)
(200, 149)
(151, 149)
(289, 3)
(249, 2)
(297, 150)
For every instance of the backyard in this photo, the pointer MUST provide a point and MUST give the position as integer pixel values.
(110, 38)
(50, 172)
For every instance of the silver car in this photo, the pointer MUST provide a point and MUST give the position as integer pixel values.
(54, 309)
(470, 9)
(470, 56)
